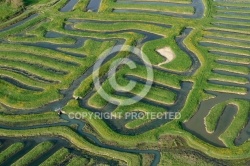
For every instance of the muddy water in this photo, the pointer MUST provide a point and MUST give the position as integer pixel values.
(19, 84)
(19, 23)
(196, 124)
(69, 92)
(226, 119)
(227, 39)
(61, 143)
(117, 126)
(30, 143)
(231, 26)
(148, 36)
(27, 74)
(195, 61)
(229, 32)
(244, 135)
(234, 8)
(233, 19)
(94, 5)
(57, 46)
(61, 103)
(98, 143)
(211, 44)
(69, 6)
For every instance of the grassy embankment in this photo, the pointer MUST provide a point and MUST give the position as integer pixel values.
(33, 154)
(57, 158)
(75, 139)
(11, 150)
(192, 102)
(30, 119)
(79, 161)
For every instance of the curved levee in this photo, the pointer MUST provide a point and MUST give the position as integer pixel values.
(229, 53)
(199, 8)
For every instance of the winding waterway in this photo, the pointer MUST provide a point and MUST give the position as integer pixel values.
(68, 93)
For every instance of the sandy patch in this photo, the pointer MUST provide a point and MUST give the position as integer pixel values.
(167, 53)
